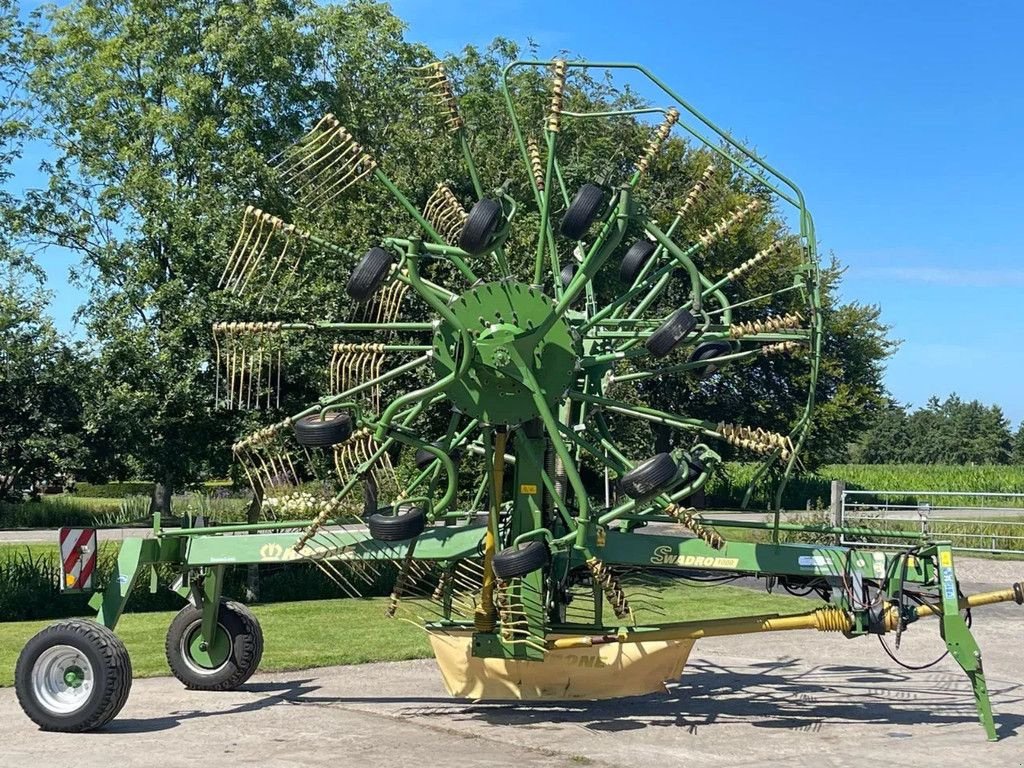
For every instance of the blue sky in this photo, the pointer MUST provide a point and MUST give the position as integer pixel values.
(900, 121)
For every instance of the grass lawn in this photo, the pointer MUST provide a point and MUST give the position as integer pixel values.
(327, 632)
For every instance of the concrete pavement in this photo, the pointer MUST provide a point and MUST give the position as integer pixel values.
(788, 699)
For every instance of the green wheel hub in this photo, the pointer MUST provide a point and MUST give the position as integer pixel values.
(209, 655)
(74, 676)
(511, 328)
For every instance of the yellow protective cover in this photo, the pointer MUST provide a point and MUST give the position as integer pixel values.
(599, 672)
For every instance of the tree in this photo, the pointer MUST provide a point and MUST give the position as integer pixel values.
(40, 427)
(163, 115)
(1018, 445)
(942, 432)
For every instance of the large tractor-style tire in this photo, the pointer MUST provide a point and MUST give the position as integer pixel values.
(73, 676)
(222, 665)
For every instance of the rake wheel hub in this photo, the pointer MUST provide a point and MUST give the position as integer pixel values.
(511, 329)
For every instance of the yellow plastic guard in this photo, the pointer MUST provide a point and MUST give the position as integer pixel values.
(599, 672)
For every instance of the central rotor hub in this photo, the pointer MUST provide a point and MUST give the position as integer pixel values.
(519, 353)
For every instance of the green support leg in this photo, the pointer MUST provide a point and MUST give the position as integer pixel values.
(133, 556)
(959, 640)
(213, 582)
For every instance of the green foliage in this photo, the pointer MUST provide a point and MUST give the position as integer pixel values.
(30, 584)
(948, 432)
(52, 513)
(726, 490)
(112, 490)
(39, 403)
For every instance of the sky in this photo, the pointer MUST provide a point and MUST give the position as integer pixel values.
(901, 122)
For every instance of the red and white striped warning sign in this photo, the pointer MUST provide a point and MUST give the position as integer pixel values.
(77, 558)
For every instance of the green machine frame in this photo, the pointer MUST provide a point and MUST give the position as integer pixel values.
(528, 368)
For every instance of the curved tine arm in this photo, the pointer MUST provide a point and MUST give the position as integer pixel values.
(465, 347)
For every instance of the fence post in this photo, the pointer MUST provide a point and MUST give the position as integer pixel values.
(838, 487)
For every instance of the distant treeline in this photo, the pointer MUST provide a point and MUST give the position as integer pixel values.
(952, 431)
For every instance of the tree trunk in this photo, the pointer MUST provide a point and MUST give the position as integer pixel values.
(662, 438)
(161, 499)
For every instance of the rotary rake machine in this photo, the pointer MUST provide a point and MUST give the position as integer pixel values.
(525, 536)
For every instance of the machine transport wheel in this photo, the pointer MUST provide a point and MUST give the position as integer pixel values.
(649, 478)
(222, 665)
(520, 560)
(480, 225)
(369, 273)
(425, 458)
(407, 523)
(670, 333)
(73, 676)
(582, 211)
(708, 351)
(634, 260)
(315, 432)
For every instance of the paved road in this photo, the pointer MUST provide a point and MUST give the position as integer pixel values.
(789, 699)
(47, 536)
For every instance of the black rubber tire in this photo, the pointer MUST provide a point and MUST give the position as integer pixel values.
(369, 274)
(650, 478)
(635, 259)
(425, 458)
(567, 274)
(582, 211)
(481, 223)
(244, 632)
(671, 333)
(694, 468)
(112, 676)
(407, 524)
(314, 432)
(708, 351)
(520, 560)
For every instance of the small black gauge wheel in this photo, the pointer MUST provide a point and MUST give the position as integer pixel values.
(520, 560)
(635, 259)
(407, 522)
(670, 333)
(369, 274)
(478, 231)
(425, 458)
(315, 432)
(709, 350)
(650, 478)
(567, 274)
(582, 211)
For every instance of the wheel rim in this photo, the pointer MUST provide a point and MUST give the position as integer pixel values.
(62, 679)
(200, 657)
